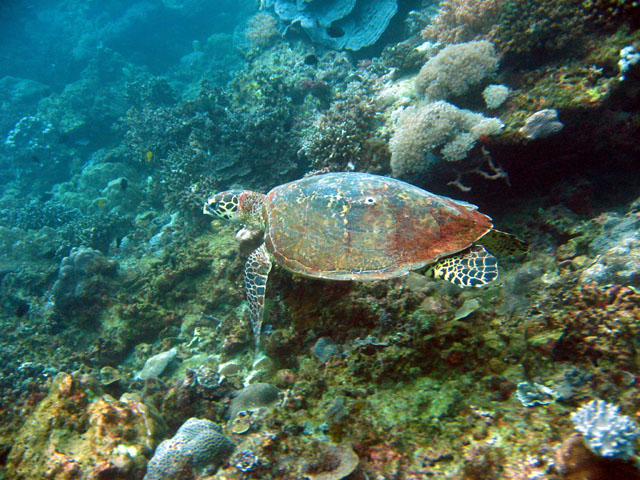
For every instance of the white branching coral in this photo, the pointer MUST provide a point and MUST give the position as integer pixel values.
(606, 432)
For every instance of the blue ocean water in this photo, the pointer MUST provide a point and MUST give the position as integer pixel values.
(198, 281)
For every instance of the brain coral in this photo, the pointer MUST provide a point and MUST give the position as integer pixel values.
(456, 68)
(197, 447)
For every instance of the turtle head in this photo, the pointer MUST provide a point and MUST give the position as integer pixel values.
(224, 204)
(241, 204)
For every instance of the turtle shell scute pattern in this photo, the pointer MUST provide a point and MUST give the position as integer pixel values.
(357, 226)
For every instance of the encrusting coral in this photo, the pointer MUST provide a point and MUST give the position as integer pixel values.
(70, 436)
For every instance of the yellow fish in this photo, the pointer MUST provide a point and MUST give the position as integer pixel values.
(149, 156)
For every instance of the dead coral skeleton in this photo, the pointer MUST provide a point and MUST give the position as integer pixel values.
(495, 172)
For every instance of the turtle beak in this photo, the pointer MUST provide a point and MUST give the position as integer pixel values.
(209, 206)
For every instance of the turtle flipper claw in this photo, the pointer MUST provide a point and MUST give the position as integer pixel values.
(256, 273)
(473, 267)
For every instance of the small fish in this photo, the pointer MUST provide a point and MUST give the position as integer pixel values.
(149, 156)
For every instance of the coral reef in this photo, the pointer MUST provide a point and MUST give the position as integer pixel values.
(197, 449)
(462, 21)
(254, 396)
(113, 133)
(523, 29)
(70, 435)
(606, 432)
(429, 128)
(615, 253)
(81, 277)
(455, 69)
(19, 96)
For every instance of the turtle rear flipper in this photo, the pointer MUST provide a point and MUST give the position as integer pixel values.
(256, 273)
(473, 267)
(503, 243)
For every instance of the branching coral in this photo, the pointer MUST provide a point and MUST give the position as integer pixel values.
(342, 136)
(438, 127)
(605, 430)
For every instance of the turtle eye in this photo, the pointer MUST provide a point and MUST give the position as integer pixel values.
(223, 205)
(369, 200)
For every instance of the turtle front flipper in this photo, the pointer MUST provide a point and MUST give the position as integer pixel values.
(473, 267)
(256, 273)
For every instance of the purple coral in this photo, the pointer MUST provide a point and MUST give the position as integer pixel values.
(197, 446)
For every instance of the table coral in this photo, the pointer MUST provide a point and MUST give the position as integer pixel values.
(338, 24)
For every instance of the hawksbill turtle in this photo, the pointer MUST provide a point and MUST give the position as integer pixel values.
(358, 226)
